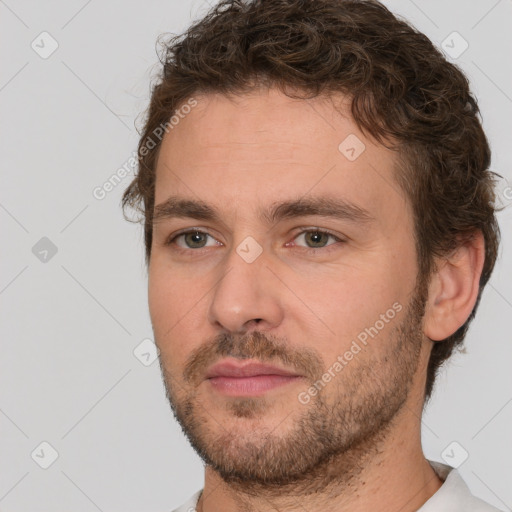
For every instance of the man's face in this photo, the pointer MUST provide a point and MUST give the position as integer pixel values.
(336, 310)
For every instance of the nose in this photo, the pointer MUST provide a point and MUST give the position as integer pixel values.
(246, 295)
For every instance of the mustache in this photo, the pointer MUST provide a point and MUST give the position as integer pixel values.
(253, 345)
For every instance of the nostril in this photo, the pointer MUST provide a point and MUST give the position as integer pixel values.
(254, 321)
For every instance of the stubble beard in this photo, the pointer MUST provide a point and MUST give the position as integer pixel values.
(332, 439)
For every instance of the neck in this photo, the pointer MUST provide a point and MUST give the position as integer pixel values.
(387, 474)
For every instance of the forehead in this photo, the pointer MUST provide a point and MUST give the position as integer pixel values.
(261, 147)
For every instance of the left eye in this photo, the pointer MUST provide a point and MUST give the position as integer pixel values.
(317, 238)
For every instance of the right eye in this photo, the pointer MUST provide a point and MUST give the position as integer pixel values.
(192, 238)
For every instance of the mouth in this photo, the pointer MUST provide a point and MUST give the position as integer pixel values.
(248, 378)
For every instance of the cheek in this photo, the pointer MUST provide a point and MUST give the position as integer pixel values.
(157, 298)
(177, 307)
(166, 293)
(346, 303)
(166, 309)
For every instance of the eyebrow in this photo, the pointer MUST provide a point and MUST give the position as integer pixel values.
(337, 208)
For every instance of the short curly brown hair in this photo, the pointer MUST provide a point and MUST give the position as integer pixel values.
(402, 90)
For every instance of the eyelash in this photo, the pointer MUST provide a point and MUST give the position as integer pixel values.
(310, 250)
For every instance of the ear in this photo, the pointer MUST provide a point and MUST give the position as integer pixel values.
(454, 288)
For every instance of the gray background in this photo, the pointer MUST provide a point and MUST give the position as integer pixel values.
(72, 320)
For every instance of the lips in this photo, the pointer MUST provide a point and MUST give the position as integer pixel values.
(239, 369)
(235, 378)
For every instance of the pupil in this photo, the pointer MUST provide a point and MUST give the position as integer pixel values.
(316, 236)
(195, 238)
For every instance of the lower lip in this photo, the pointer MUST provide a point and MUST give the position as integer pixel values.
(246, 386)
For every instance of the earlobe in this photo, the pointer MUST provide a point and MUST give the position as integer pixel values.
(454, 288)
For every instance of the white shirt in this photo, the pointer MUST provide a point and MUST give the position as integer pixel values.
(453, 496)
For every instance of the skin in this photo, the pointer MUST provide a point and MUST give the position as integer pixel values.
(299, 310)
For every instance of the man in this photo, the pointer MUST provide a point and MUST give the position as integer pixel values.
(319, 226)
